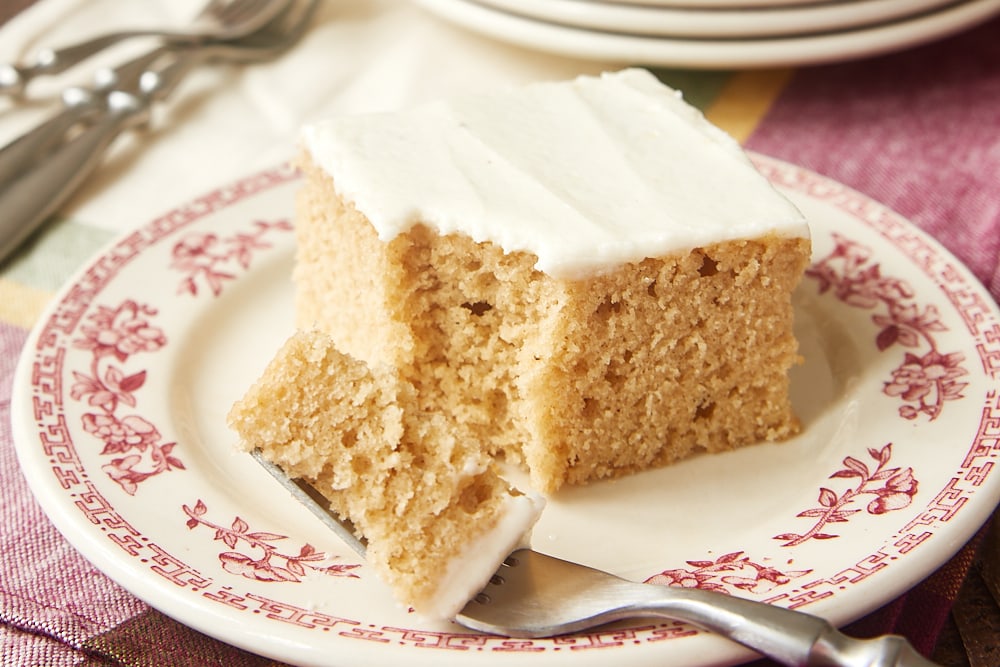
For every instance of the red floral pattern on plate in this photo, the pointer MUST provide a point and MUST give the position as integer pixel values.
(892, 488)
(204, 256)
(927, 377)
(730, 573)
(185, 580)
(272, 565)
(115, 334)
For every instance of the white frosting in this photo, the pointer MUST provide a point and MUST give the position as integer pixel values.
(468, 571)
(586, 174)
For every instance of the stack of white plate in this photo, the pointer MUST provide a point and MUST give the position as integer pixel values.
(717, 33)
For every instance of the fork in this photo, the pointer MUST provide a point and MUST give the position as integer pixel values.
(218, 20)
(34, 195)
(80, 104)
(534, 595)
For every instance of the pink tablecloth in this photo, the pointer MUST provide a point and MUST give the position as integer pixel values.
(918, 130)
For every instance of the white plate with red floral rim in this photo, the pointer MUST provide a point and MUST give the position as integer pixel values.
(119, 418)
(835, 45)
(738, 23)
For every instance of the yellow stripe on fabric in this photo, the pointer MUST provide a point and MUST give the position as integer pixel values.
(745, 99)
(21, 305)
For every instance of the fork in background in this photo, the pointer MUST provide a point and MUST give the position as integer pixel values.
(80, 104)
(218, 20)
(32, 196)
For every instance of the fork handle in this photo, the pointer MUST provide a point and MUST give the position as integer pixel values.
(29, 200)
(80, 104)
(36, 144)
(789, 637)
(14, 78)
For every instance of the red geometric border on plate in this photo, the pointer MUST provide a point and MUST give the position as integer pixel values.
(981, 323)
(110, 384)
(968, 301)
(55, 437)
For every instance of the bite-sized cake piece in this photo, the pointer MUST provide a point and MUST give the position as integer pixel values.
(438, 518)
(588, 275)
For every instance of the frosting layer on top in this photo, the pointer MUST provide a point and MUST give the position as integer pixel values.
(585, 174)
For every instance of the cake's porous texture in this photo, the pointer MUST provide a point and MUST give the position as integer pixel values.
(580, 379)
(422, 497)
(582, 278)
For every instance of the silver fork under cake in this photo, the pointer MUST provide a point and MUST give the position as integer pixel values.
(535, 595)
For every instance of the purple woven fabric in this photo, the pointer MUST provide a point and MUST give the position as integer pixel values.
(918, 131)
(56, 608)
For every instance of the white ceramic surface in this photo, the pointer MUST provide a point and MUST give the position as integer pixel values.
(742, 22)
(720, 4)
(714, 53)
(119, 422)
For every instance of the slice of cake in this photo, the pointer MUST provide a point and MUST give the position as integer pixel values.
(437, 517)
(586, 276)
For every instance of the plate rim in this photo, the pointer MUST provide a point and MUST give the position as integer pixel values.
(721, 4)
(720, 22)
(713, 53)
(64, 518)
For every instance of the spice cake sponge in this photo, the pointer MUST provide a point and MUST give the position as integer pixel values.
(582, 362)
(437, 517)
(584, 278)
(580, 379)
